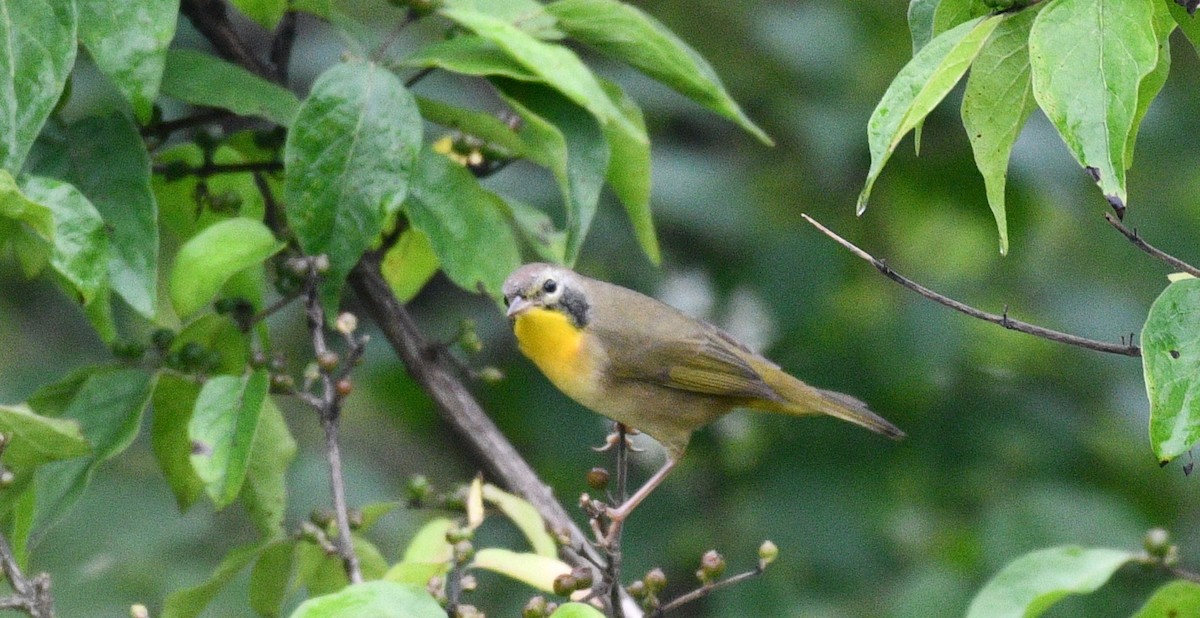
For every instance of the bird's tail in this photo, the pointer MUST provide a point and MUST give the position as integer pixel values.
(801, 399)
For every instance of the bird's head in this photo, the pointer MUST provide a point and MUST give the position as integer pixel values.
(546, 286)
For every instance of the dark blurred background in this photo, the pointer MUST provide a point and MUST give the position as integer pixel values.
(1014, 443)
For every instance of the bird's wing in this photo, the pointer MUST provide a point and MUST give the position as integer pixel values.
(702, 359)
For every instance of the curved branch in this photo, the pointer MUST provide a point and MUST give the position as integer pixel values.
(1151, 250)
(1001, 319)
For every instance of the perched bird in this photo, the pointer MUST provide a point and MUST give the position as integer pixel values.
(651, 367)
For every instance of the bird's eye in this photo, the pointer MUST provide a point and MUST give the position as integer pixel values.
(507, 300)
(550, 286)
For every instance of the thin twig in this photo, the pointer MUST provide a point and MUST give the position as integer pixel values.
(330, 409)
(213, 169)
(420, 75)
(1002, 320)
(32, 595)
(1153, 251)
(706, 590)
(167, 127)
(409, 18)
(211, 19)
(613, 569)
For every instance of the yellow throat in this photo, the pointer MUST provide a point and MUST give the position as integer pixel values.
(555, 345)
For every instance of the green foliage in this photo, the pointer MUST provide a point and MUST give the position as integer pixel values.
(222, 431)
(37, 62)
(201, 79)
(210, 258)
(128, 41)
(1170, 360)
(1029, 585)
(382, 599)
(1174, 600)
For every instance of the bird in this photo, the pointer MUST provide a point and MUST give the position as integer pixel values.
(650, 366)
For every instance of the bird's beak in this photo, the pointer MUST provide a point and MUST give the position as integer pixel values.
(518, 305)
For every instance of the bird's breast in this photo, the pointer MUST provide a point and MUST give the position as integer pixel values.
(561, 351)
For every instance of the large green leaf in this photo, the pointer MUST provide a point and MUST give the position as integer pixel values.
(554, 64)
(1153, 82)
(80, 252)
(206, 261)
(348, 160)
(528, 15)
(34, 439)
(174, 399)
(1174, 600)
(484, 126)
(470, 55)
(202, 79)
(626, 33)
(920, 22)
(190, 602)
(629, 172)
(271, 576)
(1088, 58)
(36, 57)
(532, 569)
(950, 13)
(1171, 365)
(996, 104)
(1029, 585)
(378, 599)
(918, 88)
(108, 406)
(265, 492)
(574, 147)
(465, 223)
(128, 40)
(409, 264)
(16, 206)
(222, 430)
(526, 518)
(105, 158)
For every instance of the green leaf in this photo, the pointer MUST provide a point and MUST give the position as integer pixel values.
(270, 577)
(128, 41)
(1189, 24)
(470, 55)
(379, 599)
(108, 406)
(202, 79)
(429, 544)
(215, 334)
(532, 569)
(35, 62)
(576, 610)
(629, 172)
(212, 256)
(1171, 365)
(323, 573)
(486, 127)
(556, 65)
(1029, 585)
(16, 206)
(265, 492)
(1088, 58)
(575, 148)
(528, 15)
(266, 12)
(920, 22)
(996, 104)
(538, 230)
(33, 440)
(918, 88)
(465, 224)
(105, 158)
(190, 602)
(409, 264)
(222, 430)
(527, 519)
(1153, 82)
(348, 160)
(174, 398)
(1174, 600)
(626, 33)
(950, 13)
(80, 252)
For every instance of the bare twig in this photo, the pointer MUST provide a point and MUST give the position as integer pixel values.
(163, 129)
(418, 76)
(211, 19)
(1002, 320)
(329, 405)
(409, 18)
(1151, 250)
(613, 568)
(212, 169)
(31, 595)
(708, 589)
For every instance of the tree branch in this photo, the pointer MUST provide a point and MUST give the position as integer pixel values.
(1137, 241)
(32, 595)
(1001, 320)
(211, 19)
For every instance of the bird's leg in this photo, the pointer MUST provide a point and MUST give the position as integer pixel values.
(618, 515)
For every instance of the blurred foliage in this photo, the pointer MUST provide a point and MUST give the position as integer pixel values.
(1015, 444)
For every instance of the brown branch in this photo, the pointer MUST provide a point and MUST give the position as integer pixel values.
(708, 589)
(1151, 250)
(32, 595)
(435, 372)
(165, 128)
(1001, 319)
(211, 19)
(212, 169)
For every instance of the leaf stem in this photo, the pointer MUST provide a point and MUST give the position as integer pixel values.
(1151, 250)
